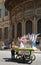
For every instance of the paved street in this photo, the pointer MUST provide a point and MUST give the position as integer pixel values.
(5, 59)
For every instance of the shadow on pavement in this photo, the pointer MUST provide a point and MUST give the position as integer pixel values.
(15, 60)
(7, 59)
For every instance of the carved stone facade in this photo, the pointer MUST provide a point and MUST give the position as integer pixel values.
(4, 23)
(27, 14)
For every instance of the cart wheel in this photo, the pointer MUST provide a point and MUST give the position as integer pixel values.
(33, 57)
(29, 61)
(20, 60)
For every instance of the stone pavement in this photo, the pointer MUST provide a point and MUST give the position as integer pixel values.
(37, 52)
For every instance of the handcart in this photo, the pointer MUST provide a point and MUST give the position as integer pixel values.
(23, 54)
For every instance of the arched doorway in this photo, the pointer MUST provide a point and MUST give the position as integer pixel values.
(28, 27)
(6, 33)
(39, 26)
(0, 33)
(13, 31)
(19, 29)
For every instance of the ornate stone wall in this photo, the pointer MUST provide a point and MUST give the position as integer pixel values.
(4, 22)
(25, 11)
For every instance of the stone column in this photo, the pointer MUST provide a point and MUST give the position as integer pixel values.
(9, 32)
(10, 23)
(15, 30)
(23, 28)
(35, 25)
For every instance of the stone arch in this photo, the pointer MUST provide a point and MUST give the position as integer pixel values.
(28, 26)
(39, 26)
(19, 29)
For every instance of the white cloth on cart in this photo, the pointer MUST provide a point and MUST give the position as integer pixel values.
(22, 45)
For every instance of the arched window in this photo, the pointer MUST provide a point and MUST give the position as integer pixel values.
(28, 27)
(6, 12)
(19, 30)
(12, 31)
(39, 27)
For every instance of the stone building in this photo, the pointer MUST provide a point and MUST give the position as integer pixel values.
(4, 23)
(25, 16)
